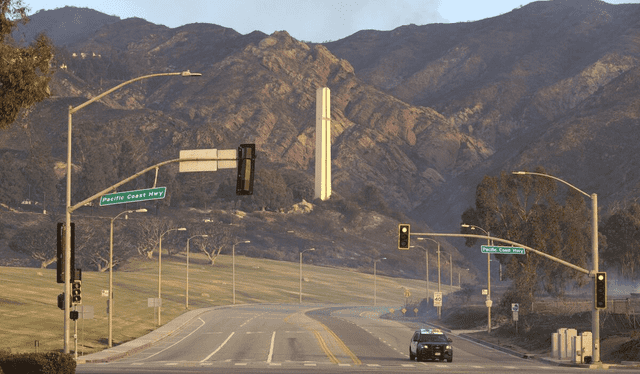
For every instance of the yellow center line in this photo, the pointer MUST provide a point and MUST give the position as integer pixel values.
(343, 346)
(323, 344)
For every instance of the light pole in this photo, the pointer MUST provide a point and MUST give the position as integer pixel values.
(375, 281)
(595, 313)
(427, 260)
(310, 249)
(110, 340)
(186, 300)
(488, 302)
(233, 267)
(68, 210)
(160, 270)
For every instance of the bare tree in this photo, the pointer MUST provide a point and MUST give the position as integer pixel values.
(148, 234)
(219, 237)
(38, 242)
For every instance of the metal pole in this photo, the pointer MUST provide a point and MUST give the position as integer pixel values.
(439, 290)
(233, 266)
(68, 210)
(595, 314)
(300, 277)
(160, 279)
(375, 284)
(110, 342)
(488, 287)
(451, 273)
(186, 299)
(426, 256)
(67, 243)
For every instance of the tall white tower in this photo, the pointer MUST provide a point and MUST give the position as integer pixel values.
(323, 144)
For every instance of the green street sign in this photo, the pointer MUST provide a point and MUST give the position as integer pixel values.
(502, 250)
(133, 196)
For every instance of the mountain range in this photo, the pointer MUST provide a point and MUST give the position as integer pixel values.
(420, 112)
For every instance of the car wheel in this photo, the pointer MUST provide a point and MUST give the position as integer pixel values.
(450, 359)
(411, 356)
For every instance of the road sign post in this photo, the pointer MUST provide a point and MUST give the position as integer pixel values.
(437, 299)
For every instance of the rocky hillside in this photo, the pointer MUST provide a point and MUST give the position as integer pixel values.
(420, 112)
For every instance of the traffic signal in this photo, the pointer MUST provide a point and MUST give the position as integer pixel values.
(61, 301)
(601, 290)
(76, 292)
(403, 236)
(60, 252)
(246, 165)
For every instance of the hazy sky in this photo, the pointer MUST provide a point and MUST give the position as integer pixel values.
(309, 20)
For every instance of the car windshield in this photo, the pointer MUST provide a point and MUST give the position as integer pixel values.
(431, 338)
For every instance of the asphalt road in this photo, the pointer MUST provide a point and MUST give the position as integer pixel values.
(309, 339)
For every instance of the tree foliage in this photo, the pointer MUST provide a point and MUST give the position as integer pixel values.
(528, 210)
(25, 72)
(622, 232)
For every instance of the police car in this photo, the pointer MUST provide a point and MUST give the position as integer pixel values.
(430, 344)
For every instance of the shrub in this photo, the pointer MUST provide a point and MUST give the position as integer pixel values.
(46, 363)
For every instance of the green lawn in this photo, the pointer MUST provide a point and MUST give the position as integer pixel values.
(28, 297)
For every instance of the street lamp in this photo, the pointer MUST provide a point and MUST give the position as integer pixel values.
(69, 210)
(488, 302)
(110, 340)
(427, 261)
(310, 249)
(595, 313)
(186, 300)
(233, 267)
(375, 281)
(160, 270)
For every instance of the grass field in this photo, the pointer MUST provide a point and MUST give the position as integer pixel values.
(28, 296)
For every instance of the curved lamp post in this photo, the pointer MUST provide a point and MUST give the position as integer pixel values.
(160, 269)
(427, 261)
(375, 280)
(310, 249)
(68, 210)
(595, 313)
(186, 299)
(110, 340)
(473, 227)
(233, 267)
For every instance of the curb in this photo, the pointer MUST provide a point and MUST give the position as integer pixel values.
(136, 345)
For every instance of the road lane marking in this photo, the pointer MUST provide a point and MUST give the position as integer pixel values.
(219, 348)
(273, 339)
(203, 323)
(324, 347)
(343, 346)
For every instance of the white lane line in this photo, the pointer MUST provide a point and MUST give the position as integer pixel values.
(273, 339)
(219, 348)
(203, 323)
